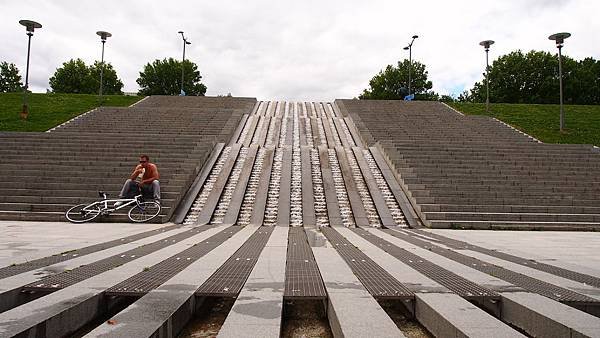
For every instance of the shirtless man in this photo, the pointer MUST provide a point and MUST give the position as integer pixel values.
(150, 176)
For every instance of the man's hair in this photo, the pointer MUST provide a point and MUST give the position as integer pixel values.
(145, 157)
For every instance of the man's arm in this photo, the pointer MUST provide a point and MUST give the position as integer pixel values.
(136, 172)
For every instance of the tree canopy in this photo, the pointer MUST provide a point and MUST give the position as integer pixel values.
(392, 83)
(76, 77)
(10, 80)
(163, 77)
(533, 78)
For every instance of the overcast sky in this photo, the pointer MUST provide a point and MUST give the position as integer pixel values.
(293, 50)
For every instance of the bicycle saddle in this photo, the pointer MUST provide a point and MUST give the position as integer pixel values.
(102, 194)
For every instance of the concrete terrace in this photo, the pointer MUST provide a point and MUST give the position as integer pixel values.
(295, 208)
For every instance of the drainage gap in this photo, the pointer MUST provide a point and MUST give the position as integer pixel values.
(305, 318)
(209, 319)
(409, 325)
(114, 305)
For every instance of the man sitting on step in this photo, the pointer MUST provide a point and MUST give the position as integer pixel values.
(144, 177)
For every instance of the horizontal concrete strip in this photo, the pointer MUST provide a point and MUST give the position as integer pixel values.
(448, 315)
(349, 301)
(543, 317)
(258, 310)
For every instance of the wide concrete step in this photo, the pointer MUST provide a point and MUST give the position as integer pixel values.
(167, 192)
(81, 185)
(551, 201)
(507, 194)
(514, 225)
(53, 207)
(545, 172)
(475, 188)
(59, 216)
(513, 216)
(509, 208)
(523, 181)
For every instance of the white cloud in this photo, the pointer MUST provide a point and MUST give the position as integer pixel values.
(312, 50)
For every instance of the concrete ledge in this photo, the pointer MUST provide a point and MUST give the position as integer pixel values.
(449, 315)
(543, 317)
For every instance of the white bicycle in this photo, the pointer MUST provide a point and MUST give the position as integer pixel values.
(140, 211)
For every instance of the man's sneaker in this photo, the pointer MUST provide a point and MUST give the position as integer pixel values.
(157, 201)
(118, 204)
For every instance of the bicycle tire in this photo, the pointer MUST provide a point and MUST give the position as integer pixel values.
(77, 214)
(144, 212)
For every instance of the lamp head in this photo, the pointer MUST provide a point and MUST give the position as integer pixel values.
(187, 42)
(406, 48)
(30, 25)
(103, 35)
(559, 38)
(486, 44)
(415, 36)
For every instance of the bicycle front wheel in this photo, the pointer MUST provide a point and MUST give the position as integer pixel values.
(82, 213)
(144, 211)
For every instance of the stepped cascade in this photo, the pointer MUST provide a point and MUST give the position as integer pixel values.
(312, 171)
(318, 211)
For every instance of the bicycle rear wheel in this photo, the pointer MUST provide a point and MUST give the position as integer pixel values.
(144, 211)
(82, 213)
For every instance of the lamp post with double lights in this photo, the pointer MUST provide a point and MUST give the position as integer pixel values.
(486, 44)
(409, 49)
(30, 26)
(103, 36)
(560, 40)
(185, 42)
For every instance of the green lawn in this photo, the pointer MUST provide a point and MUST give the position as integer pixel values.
(582, 123)
(49, 110)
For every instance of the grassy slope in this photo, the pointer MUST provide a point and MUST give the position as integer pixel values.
(49, 110)
(582, 123)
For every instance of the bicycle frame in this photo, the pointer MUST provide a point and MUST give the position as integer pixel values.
(104, 203)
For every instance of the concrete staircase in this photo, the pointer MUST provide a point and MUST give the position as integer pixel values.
(476, 172)
(43, 174)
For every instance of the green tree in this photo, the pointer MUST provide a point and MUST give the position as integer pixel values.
(10, 80)
(111, 84)
(75, 77)
(163, 77)
(584, 82)
(392, 83)
(527, 78)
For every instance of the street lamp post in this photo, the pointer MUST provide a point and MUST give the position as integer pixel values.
(185, 42)
(30, 26)
(486, 44)
(560, 40)
(409, 48)
(103, 36)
